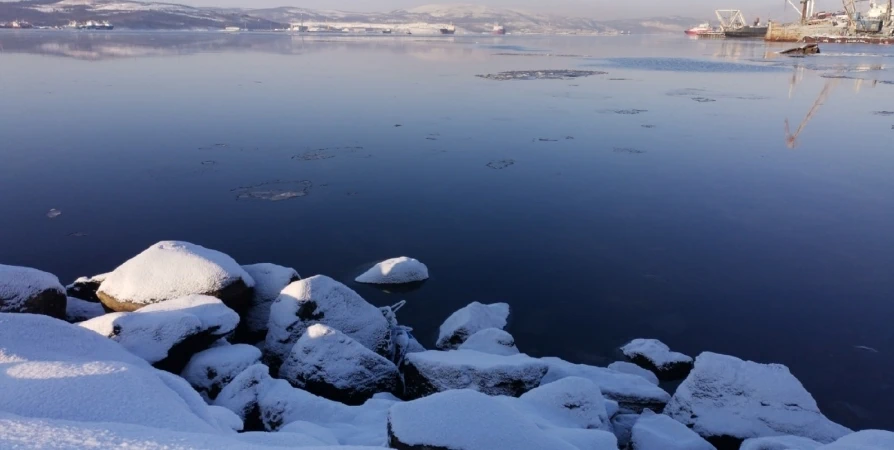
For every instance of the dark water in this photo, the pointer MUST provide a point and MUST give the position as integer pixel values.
(659, 200)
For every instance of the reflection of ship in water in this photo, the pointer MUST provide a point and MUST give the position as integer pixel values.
(872, 26)
(449, 29)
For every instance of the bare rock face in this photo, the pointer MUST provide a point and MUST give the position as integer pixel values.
(31, 291)
(172, 269)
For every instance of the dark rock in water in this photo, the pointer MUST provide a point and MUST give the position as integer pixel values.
(328, 363)
(85, 288)
(500, 164)
(809, 49)
(541, 75)
(654, 355)
(430, 372)
(31, 291)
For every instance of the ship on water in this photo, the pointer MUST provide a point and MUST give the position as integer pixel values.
(875, 25)
(733, 25)
(91, 25)
(449, 29)
(704, 30)
(498, 30)
(17, 25)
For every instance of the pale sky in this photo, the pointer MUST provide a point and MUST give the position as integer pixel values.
(599, 9)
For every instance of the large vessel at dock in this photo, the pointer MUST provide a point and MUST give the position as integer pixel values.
(449, 29)
(91, 25)
(499, 30)
(873, 26)
(16, 24)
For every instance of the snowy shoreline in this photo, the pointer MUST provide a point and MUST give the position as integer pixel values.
(183, 347)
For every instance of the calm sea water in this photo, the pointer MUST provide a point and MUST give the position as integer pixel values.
(663, 199)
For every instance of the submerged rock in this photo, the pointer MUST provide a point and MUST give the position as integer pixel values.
(395, 271)
(541, 75)
(172, 269)
(426, 373)
(330, 364)
(470, 320)
(727, 399)
(491, 340)
(31, 291)
(270, 280)
(658, 357)
(659, 432)
(322, 300)
(210, 370)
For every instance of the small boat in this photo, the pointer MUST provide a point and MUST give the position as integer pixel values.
(386, 31)
(232, 29)
(450, 29)
(704, 28)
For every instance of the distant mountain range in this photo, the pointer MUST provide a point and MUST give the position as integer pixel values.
(130, 14)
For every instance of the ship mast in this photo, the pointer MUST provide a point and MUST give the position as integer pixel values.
(804, 4)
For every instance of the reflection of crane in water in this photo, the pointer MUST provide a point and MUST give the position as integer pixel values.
(791, 139)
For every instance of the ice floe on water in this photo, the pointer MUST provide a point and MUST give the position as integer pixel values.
(54, 213)
(500, 164)
(541, 75)
(686, 65)
(628, 150)
(274, 191)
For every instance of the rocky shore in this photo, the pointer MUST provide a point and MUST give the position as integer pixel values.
(182, 347)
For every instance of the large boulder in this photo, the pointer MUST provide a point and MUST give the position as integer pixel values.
(31, 291)
(468, 420)
(270, 280)
(633, 369)
(658, 357)
(328, 363)
(50, 369)
(570, 402)
(725, 399)
(780, 443)
(210, 370)
(470, 320)
(659, 432)
(429, 372)
(632, 392)
(491, 340)
(321, 299)
(77, 310)
(863, 440)
(172, 269)
(395, 271)
(167, 334)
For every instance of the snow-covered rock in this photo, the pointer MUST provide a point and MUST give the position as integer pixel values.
(328, 363)
(491, 340)
(863, 440)
(77, 310)
(659, 432)
(54, 370)
(167, 334)
(320, 433)
(780, 443)
(321, 299)
(632, 392)
(172, 269)
(658, 357)
(470, 320)
(468, 420)
(27, 290)
(622, 426)
(633, 369)
(270, 280)
(568, 403)
(210, 370)
(85, 287)
(725, 397)
(269, 404)
(426, 373)
(395, 271)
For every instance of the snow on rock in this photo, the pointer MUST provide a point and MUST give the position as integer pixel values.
(780, 443)
(863, 440)
(320, 433)
(470, 320)
(54, 370)
(77, 310)
(429, 372)
(26, 290)
(328, 363)
(491, 340)
(270, 280)
(241, 395)
(633, 369)
(210, 370)
(658, 357)
(86, 287)
(172, 269)
(632, 392)
(469, 420)
(395, 271)
(226, 418)
(321, 299)
(26, 433)
(659, 432)
(571, 402)
(167, 334)
(622, 426)
(725, 397)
